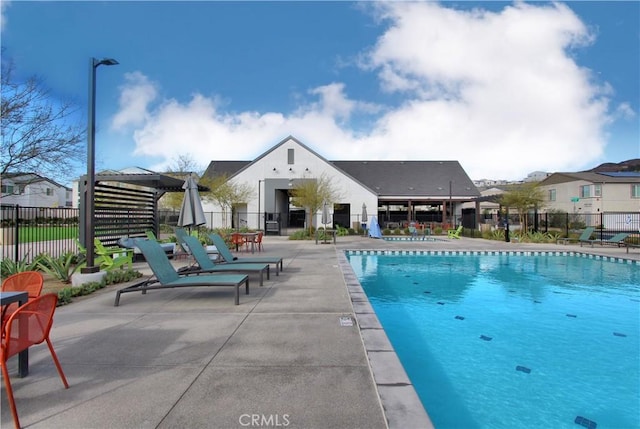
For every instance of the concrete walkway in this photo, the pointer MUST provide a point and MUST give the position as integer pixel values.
(191, 359)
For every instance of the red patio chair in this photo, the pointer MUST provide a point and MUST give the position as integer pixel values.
(259, 241)
(29, 325)
(26, 281)
(238, 241)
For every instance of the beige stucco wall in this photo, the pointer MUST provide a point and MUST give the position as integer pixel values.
(616, 197)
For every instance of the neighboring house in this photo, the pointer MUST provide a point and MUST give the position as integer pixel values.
(536, 176)
(33, 190)
(395, 191)
(592, 193)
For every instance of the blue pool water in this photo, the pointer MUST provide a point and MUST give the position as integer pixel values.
(510, 341)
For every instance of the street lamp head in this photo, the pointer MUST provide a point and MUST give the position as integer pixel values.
(105, 61)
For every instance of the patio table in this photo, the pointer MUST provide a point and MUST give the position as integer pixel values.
(249, 237)
(21, 298)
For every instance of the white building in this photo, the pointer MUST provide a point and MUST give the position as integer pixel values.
(33, 190)
(395, 191)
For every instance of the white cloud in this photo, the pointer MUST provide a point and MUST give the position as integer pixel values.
(625, 111)
(4, 4)
(498, 91)
(135, 96)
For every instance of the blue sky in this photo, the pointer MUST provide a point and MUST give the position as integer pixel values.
(505, 88)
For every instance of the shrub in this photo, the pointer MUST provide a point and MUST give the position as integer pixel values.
(61, 268)
(9, 266)
(341, 231)
(66, 295)
(300, 235)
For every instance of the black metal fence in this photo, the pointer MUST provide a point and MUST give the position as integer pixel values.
(29, 231)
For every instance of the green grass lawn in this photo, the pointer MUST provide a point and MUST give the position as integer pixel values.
(30, 234)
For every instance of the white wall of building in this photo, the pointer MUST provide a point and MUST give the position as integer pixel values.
(36, 194)
(273, 173)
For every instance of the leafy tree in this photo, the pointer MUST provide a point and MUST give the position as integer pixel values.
(311, 194)
(181, 167)
(226, 193)
(39, 134)
(523, 198)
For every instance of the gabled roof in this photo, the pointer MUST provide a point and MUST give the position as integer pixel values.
(389, 179)
(411, 178)
(28, 178)
(588, 176)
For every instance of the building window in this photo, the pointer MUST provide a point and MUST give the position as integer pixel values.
(290, 156)
(7, 189)
(49, 192)
(635, 191)
(585, 191)
(552, 194)
(597, 190)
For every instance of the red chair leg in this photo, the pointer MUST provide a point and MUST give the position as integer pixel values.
(55, 360)
(12, 402)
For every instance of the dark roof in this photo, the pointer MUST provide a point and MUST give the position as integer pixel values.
(411, 178)
(389, 178)
(225, 168)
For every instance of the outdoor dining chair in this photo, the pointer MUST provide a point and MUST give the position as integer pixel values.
(26, 281)
(28, 325)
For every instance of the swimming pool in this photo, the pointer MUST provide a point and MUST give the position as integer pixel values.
(510, 340)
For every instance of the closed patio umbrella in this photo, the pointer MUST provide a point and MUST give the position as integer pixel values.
(191, 212)
(325, 214)
(365, 217)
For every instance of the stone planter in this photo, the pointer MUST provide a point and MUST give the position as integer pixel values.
(79, 279)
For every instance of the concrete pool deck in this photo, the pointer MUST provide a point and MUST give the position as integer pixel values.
(285, 357)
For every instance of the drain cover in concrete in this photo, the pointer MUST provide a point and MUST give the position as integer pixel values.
(346, 321)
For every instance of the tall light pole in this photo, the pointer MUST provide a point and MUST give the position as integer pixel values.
(89, 201)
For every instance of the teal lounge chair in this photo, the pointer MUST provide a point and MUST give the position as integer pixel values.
(617, 239)
(207, 266)
(167, 277)
(212, 251)
(585, 237)
(230, 259)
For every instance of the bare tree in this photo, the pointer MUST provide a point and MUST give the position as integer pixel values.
(39, 133)
(181, 167)
(226, 193)
(311, 194)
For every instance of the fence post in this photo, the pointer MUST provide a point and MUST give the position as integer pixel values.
(566, 224)
(16, 240)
